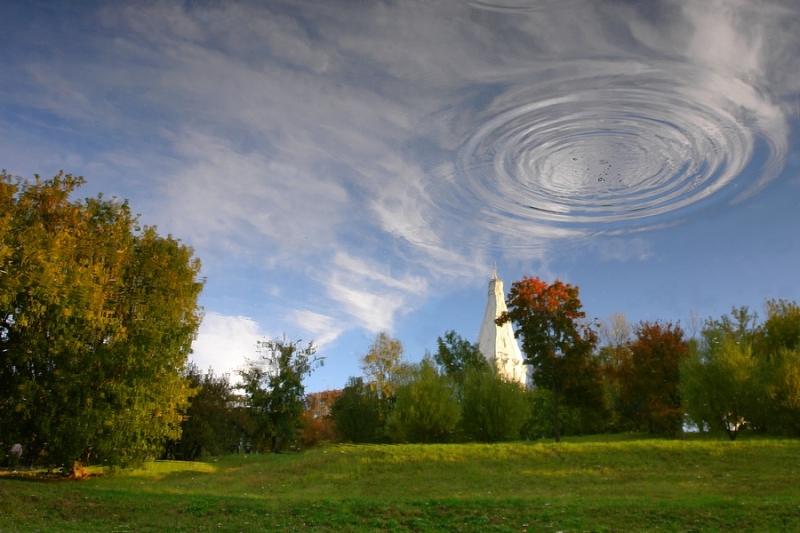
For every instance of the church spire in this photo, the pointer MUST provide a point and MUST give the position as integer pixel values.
(497, 343)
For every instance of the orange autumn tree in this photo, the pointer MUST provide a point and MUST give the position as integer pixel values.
(317, 423)
(649, 376)
(547, 319)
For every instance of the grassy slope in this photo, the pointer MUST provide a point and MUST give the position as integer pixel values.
(579, 485)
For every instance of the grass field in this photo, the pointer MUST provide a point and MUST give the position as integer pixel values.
(606, 483)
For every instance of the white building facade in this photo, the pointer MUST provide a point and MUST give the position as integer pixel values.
(497, 343)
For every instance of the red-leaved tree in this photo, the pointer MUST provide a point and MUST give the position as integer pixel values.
(649, 375)
(546, 317)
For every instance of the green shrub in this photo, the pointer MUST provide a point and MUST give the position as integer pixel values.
(426, 407)
(492, 409)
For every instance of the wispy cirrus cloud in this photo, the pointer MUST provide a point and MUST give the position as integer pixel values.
(322, 328)
(235, 200)
(368, 292)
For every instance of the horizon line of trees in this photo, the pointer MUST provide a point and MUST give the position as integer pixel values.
(600, 377)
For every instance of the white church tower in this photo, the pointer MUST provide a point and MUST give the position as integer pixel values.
(497, 343)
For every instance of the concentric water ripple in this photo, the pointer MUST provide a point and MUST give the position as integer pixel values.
(610, 143)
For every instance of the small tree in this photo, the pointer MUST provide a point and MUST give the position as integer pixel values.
(274, 390)
(426, 408)
(719, 382)
(317, 423)
(615, 330)
(457, 356)
(356, 413)
(492, 409)
(383, 364)
(210, 425)
(649, 378)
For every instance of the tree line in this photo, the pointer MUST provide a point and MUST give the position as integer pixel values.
(587, 377)
(98, 313)
(733, 373)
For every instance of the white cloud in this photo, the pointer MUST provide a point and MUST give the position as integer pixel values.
(401, 203)
(370, 272)
(224, 343)
(323, 329)
(372, 310)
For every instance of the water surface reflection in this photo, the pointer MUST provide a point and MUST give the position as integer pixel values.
(598, 142)
(344, 168)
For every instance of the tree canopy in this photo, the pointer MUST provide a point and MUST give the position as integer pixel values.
(740, 374)
(555, 344)
(97, 317)
(274, 390)
(456, 356)
(384, 364)
(649, 378)
(426, 407)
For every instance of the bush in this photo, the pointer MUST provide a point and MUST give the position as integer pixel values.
(492, 409)
(426, 408)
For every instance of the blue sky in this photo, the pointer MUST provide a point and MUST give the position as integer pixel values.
(344, 168)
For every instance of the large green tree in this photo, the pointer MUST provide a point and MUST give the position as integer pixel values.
(777, 347)
(740, 374)
(556, 345)
(97, 317)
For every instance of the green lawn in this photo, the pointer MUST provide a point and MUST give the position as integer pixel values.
(590, 484)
